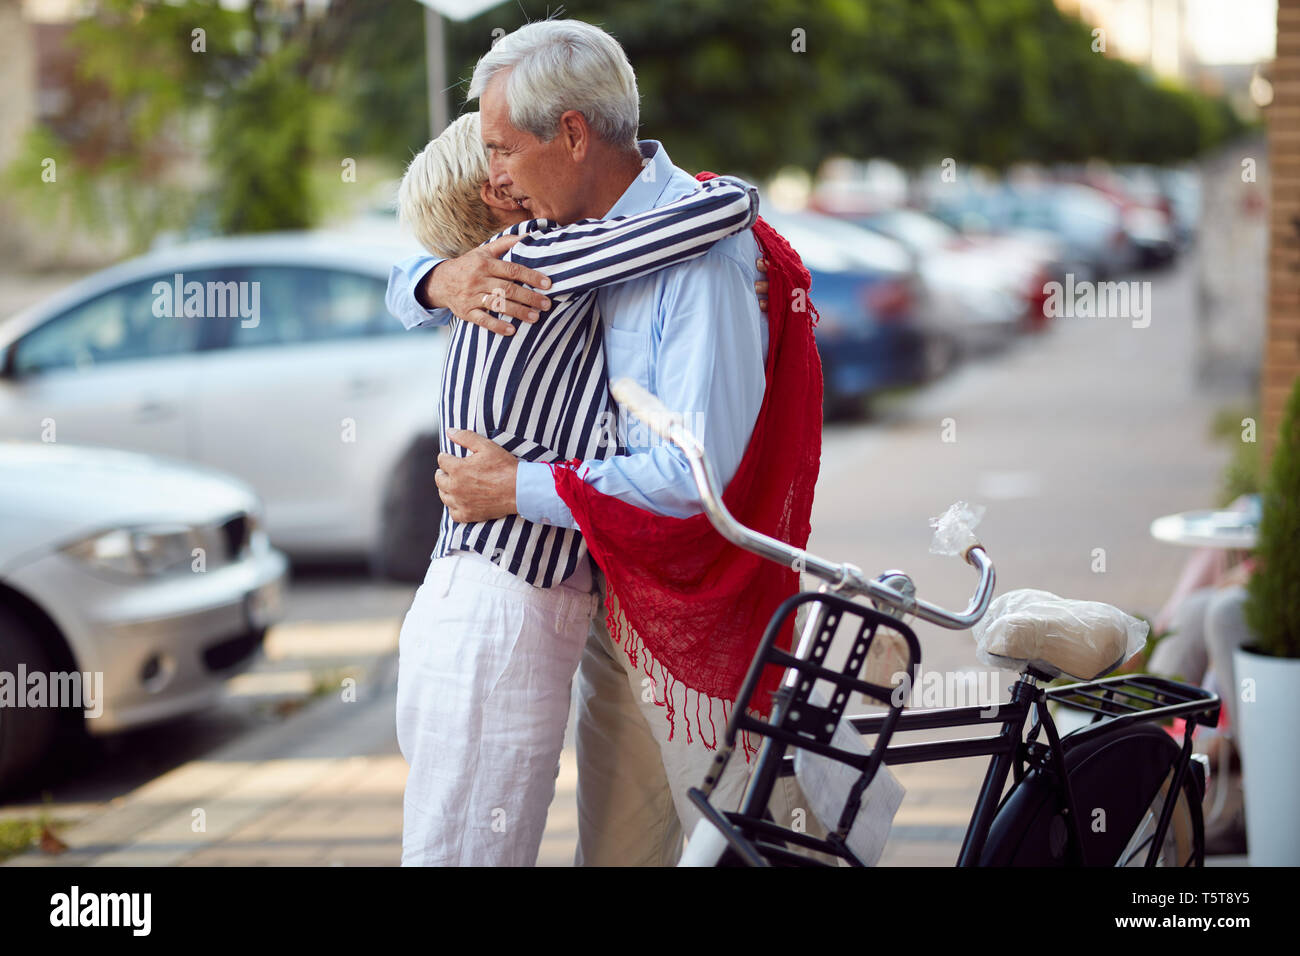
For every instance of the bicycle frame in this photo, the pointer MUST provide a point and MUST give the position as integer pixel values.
(1115, 702)
(1002, 747)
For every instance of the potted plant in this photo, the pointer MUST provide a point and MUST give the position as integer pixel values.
(1267, 671)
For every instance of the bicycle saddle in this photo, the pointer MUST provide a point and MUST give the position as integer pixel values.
(1085, 640)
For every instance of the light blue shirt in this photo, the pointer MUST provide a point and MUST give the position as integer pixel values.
(692, 334)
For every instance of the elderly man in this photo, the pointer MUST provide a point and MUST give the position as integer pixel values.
(559, 117)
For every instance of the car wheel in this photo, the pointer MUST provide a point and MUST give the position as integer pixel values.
(841, 408)
(26, 733)
(411, 515)
(941, 353)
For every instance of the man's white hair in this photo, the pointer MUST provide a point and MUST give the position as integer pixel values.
(440, 198)
(561, 65)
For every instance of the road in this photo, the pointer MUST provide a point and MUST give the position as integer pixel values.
(1073, 439)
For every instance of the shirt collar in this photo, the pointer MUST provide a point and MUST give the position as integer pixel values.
(650, 183)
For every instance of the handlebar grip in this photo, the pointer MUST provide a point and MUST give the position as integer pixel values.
(647, 407)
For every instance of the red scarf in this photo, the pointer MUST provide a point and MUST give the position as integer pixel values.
(678, 594)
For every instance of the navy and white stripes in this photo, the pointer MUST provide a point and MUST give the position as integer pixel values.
(542, 393)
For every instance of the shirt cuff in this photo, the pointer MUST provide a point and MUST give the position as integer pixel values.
(402, 303)
(536, 499)
(442, 316)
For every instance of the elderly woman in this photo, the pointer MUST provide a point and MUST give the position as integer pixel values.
(490, 644)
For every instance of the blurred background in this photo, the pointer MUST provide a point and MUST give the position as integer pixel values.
(941, 166)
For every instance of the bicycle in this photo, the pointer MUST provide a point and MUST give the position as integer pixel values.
(1096, 796)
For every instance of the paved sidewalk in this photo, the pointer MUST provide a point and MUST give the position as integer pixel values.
(324, 788)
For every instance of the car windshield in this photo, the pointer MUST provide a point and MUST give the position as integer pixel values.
(916, 230)
(832, 245)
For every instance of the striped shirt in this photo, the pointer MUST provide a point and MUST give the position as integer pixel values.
(542, 393)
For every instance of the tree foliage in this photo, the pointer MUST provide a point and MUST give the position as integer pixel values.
(743, 85)
(257, 95)
(990, 82)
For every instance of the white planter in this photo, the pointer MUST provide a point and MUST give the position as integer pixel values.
(1270, 756)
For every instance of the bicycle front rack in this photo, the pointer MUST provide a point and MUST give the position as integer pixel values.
(799, 722)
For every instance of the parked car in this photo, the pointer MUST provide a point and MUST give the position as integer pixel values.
(1174, 191)
(1147, 212)
(1087, 225)
(153, 574)
(1182, 187)
(322, 402)
(871, 336)
(984, 290)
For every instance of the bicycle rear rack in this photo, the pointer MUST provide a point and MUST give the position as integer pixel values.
(1133, 698)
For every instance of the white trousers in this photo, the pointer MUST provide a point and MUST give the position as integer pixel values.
(485, 671)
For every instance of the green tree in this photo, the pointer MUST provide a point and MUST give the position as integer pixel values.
(279, 95)
(262, 149)
(117, 140)
(261, 94)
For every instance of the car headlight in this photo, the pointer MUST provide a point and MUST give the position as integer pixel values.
(141, 551)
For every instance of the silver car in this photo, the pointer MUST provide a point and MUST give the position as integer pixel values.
(131, 588)
(272, 358)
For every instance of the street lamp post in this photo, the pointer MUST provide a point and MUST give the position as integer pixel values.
(435, 53)
(435, 65)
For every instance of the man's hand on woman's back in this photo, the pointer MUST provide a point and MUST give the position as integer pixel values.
(479, 283)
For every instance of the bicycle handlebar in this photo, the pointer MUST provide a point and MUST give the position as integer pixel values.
(847, 578)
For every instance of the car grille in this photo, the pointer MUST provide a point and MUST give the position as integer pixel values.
(235, 650)
(235, 533)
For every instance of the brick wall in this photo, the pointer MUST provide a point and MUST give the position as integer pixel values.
(1282, 339)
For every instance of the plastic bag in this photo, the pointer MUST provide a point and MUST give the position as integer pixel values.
(954, 530)
(1080, 639)
(826, 783)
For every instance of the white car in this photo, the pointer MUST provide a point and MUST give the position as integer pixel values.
(979, 289)
(131, 588)
(293, 377)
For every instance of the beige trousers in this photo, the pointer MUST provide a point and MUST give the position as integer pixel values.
(632, 780)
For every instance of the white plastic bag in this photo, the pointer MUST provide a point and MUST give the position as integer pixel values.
(1080, 639)
(826, 783)
(954, 530)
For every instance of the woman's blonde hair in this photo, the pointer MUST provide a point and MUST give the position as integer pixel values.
(440, 199)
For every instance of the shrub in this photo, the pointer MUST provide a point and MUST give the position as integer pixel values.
(1272, 606)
